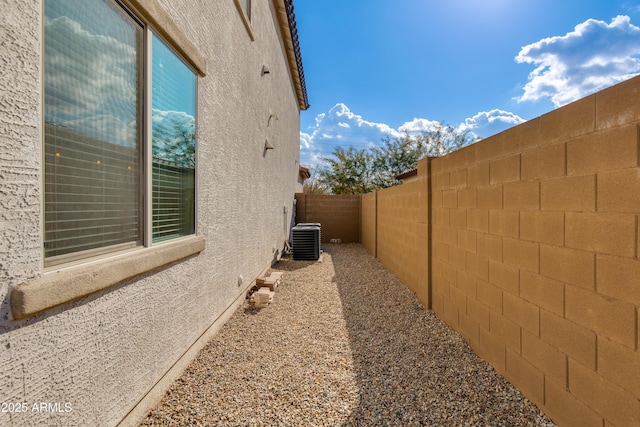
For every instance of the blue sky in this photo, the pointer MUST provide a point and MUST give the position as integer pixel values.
(376, 68)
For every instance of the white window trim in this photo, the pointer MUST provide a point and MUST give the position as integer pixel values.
(147, 228)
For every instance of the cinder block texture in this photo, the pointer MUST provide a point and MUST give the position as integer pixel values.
(504, 223)
(521, 254)
(528, 377)
(490, 197)
(606, 316)
(522, 196)
(568, 265)
(544, 162)
(616, 190)
(575, 119)
(402, 215)
(505, 330)
(574, 194)
(605, 233)
(612, 355)
(339, 215)
(618, 278)
(550, 360)
(504, 276)
(545, 229)
(478, 175)
(611, 149)
(506, 169)
(617, 105)
(606, 398)
(566, 409)
(492, 349)
(523, 313)
(570, 338)
(368, 228)
(542, 291)
(490, 295)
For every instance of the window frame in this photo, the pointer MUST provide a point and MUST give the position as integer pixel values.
(73, 258)
(62, 284)
(148, 139)
(145, 151)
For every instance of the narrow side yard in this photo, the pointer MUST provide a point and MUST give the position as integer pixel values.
(343, 343)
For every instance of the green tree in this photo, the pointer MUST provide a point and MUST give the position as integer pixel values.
(347, 171)
(313, 185)
(394, 157)
(401, 154)
(354, 171)
(174, 138)
(443, 139)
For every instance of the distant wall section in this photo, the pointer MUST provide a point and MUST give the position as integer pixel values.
(369, 222)
(339, 215)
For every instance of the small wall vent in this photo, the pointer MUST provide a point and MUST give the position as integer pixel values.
(306, 242)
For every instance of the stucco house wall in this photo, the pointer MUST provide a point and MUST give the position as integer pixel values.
(106, 357)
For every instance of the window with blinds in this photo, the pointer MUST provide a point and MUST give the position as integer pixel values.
(94, 138)
(173, 130)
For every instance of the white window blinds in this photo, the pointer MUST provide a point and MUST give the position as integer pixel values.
(173, 131)
(95, 133)
(92, 127)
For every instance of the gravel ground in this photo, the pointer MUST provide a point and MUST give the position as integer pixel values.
(343, 343)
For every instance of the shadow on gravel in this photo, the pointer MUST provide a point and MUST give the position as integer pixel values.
(411, 368)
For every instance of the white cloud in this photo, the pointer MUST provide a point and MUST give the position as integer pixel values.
(341, 114)
(487, 123)
(418, 125)
(93, 70)
(107, 128)
(170, 123)
(341, 127)
(306, 142)
(90, 84)
(593, 56)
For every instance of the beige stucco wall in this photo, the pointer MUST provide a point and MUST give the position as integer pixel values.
(103, 353)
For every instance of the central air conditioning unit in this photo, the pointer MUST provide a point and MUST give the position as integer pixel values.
(306, 241)
(311, 224)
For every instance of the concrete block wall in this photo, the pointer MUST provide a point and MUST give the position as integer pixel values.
(369, 221)
(402, 232)
(338, 214)
(535, 255)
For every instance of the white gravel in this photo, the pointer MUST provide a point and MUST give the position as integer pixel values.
(343, 343)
